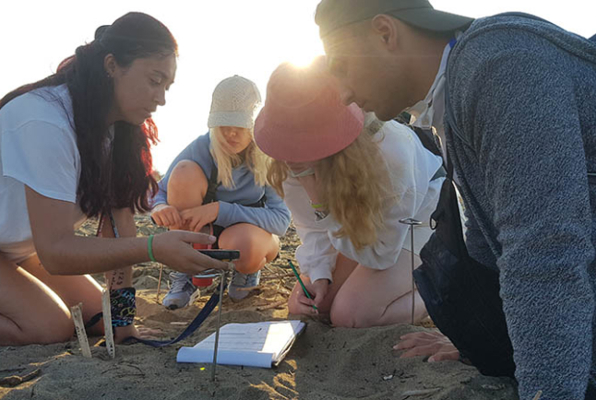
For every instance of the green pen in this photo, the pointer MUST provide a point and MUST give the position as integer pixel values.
(302, 284)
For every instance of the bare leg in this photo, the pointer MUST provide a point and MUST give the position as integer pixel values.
(343, 269)
(257, 246)
(121, 278)
(72, 290)
(187, 187)
(30, 313)
(372, 297)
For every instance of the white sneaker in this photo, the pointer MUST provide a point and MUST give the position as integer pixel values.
(245, 282)
(182, 293)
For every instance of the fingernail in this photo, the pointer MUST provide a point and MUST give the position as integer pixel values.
(431, 359)
(212, 238)
(396, 347)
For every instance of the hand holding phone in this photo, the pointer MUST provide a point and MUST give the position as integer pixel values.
(223, 255)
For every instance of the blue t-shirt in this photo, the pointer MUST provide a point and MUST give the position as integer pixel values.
(233, 202)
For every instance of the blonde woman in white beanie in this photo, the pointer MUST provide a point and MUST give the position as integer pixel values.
(219, 181)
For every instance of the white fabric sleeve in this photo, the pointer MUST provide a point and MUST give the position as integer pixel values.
(316, 254)
(385, 251)
(44, 157)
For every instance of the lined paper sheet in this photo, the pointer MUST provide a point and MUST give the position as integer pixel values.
(260, 344)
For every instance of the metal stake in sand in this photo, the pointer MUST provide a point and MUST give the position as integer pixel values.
(222, 280)
(107, 322)
(412, 223)
(77, 317)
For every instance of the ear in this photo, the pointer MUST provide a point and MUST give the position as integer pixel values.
(109, 65)
(385, 28)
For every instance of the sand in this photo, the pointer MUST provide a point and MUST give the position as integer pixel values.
(325, 362)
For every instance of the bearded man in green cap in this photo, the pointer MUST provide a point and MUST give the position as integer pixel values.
(521, 133)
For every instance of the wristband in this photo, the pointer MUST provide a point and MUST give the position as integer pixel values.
(123, 306)
(316, 206)
(150, 248)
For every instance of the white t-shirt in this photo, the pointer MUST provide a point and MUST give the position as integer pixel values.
(38, 148)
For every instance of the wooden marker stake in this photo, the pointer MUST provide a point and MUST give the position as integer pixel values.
(77, 317)
(107, 322)
(159, 283)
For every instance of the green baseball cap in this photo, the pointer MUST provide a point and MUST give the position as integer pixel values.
(334, 14)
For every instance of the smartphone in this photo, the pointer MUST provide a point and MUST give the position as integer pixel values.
(223, 255)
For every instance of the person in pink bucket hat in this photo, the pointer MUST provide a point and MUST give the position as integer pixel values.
(348, 180)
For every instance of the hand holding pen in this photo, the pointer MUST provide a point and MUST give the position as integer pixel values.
(311, 294)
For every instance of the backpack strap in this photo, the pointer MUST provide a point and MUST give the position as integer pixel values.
(430, 140)
(212, 184)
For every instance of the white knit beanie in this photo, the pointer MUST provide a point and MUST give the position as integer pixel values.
(235, 100)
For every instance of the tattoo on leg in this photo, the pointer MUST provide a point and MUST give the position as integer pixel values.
(116, 278)
(120, 277)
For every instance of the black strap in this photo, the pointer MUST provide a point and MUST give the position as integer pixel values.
(190, 329)
(212, 184)
(429, 139)
(94, 320)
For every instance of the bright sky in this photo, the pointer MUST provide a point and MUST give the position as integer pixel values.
(217, 39)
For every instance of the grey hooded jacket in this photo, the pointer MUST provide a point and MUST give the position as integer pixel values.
(523, 96)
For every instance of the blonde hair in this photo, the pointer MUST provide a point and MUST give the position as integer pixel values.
(256, 161)
(355, 186)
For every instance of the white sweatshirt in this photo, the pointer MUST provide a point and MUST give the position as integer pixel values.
(411, 168)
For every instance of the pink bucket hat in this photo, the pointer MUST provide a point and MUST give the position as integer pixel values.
(303, 118)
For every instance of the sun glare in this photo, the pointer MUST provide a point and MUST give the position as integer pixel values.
(302, 48)
(304, 59)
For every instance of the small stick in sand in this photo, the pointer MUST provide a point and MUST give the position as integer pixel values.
(15, 380)
(268, 268)
(246, 289)
(107, 323)
(276, 276)
(159, 283)
(272, 305)
(77, 317)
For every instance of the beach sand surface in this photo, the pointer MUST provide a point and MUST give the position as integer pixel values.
(324, 363)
